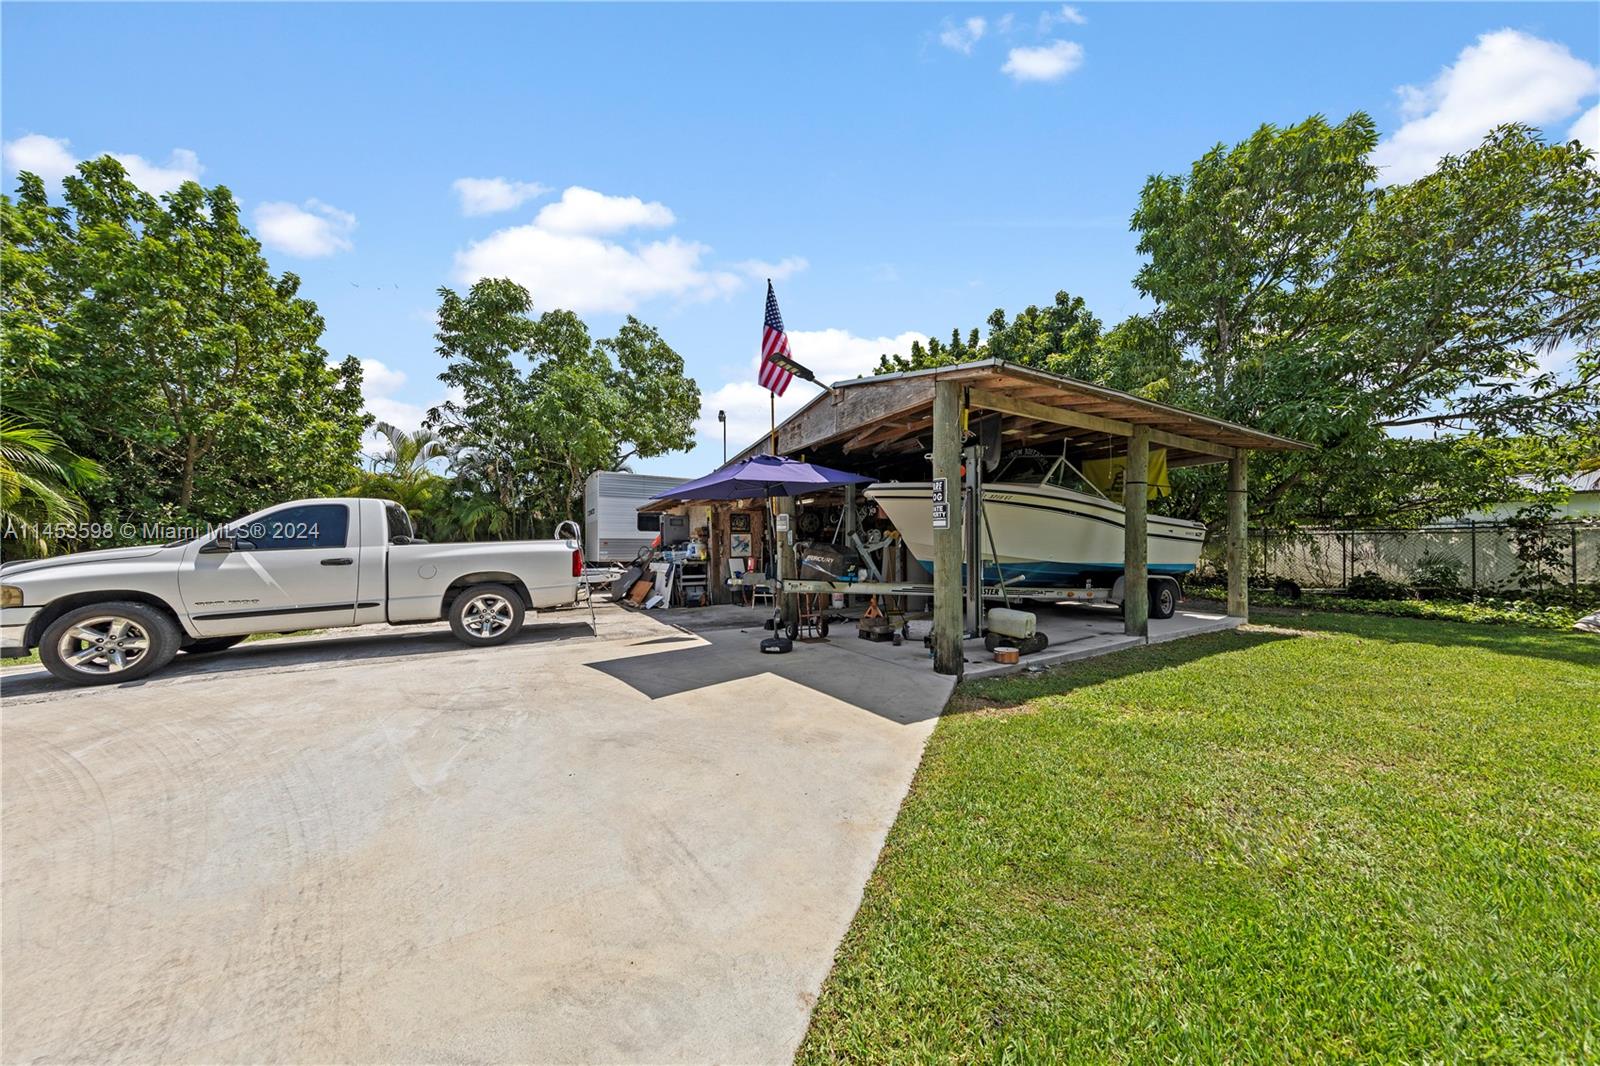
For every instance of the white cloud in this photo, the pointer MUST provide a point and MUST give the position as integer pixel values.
(1586, 131)
(562, 260)
(49, 157)
(581, 273)
(486, 196)
(181, 166)
(1048, 62)
(583, 210)
(832, 354)
(1506, 76)
(311, 232)
(961, 36)
(380, 384)
(52, 159)
(1066, 15)
(761, 270)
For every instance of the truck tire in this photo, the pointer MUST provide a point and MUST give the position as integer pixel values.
(487, 614)
(108, 643)
(1164, 594)
(208, 645)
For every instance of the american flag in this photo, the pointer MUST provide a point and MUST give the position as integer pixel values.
(774, 342)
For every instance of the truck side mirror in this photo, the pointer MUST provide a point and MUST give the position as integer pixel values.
(221, 544)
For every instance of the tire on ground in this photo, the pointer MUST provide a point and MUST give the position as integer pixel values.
(485, 615)
(109, 643)
(208, 645)
(1164, 595)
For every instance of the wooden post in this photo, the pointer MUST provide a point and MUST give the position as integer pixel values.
(786, 562)
(1238, 533)
(1136, 536)
(947, 541)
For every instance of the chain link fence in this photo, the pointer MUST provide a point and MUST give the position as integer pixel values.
(1488, 557)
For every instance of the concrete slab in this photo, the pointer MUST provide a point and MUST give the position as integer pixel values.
(1079, 631)
(1076, 631)
(384, 846)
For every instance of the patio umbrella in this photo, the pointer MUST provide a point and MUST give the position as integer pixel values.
(762, 476)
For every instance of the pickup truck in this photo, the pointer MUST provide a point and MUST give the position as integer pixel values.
(101, 617)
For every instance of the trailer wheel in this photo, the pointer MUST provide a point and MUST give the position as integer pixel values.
(485, 615)
(1163, 597)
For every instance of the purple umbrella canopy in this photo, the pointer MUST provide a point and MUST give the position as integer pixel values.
(759, 476)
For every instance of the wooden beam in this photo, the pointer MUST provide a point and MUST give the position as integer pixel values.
(1238, 537)
(1190, 444)
(995, 401)
(1136, 536)
(1060, 416)
(789, 605)
(947, 658)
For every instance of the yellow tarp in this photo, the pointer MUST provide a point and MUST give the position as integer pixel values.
(1106, 474)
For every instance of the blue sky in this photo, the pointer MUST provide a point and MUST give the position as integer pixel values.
(899, 168)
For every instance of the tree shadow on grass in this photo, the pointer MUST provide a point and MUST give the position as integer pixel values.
(1580, 649)
(1008, 692)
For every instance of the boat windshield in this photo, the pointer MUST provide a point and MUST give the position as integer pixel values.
(1031, 468)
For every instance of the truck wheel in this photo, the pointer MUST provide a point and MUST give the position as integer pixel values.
(209, 645)
(486, 614)
(1163, 598)
(108, 643)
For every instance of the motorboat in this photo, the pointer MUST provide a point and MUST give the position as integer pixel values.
(1046, 526)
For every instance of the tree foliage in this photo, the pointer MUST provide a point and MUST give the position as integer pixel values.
(39, 485)
(152, 337)
(1407, 331)
(523, 441)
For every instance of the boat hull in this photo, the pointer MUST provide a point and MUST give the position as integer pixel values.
(1043, 536)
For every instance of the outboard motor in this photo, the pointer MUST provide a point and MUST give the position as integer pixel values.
(824, 562)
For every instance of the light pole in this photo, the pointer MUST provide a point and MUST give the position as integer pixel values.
(722, 416)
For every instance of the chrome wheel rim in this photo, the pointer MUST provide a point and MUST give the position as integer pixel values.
(487, 615)
(108, 644)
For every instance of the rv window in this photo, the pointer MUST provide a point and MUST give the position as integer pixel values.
(649, 523)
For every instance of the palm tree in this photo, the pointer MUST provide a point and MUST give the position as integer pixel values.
(409, 453)
(403, 475)
(39, 483)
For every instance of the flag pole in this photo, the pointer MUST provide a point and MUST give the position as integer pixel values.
(772, 410)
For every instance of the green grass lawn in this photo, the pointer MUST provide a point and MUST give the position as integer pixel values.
(1330, 836)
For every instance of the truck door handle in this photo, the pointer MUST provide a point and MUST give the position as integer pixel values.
(341, 561)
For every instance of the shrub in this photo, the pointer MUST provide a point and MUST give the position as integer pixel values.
(1437, 572)
(1370, 586)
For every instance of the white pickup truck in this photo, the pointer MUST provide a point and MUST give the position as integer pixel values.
(101, 617)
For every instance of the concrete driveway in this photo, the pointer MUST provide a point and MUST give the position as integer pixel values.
(638, 847)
